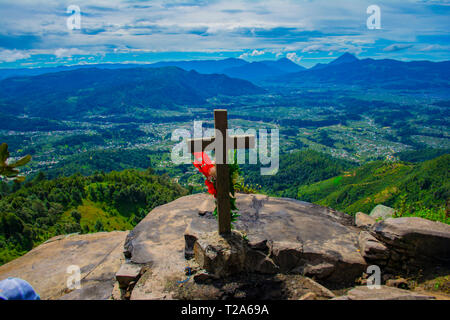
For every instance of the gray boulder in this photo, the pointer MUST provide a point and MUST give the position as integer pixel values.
(128, 273)
(414, 243)
(221, 255)
(382, 212)
(372, 249)
(364, 221)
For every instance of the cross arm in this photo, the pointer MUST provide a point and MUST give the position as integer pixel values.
(234, 142)
(203, 143)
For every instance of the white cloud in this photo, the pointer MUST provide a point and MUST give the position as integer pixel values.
(330, 45)
(253, 53)
(397, 47)
(13, 55)
(293, 57)
(217, 26)
(315, 48)
(66, 53)
(434, 47)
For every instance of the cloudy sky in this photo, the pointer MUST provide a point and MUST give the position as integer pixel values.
(35, 33)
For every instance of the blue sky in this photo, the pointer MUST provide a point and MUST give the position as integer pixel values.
(34, 33)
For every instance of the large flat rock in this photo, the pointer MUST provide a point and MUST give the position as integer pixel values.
(414, 243)
(325, 241)
(99, 256)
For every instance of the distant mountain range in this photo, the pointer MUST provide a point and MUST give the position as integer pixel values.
(345, 70)
(345, 58)
(93, 91)
(232, 67)
(64, 92)
(238, 68)
(370, 73)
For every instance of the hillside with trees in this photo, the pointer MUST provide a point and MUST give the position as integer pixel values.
(296, 169)
(421, 189)
(41, 208)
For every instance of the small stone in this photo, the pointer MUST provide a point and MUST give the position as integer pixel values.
(308, 296)
(398, 283)
(204, 277)
(319, 289)
(364, 221)
(128, 273)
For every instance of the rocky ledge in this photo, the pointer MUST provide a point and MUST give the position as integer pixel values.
(48, 267)
(280, 249)
(284, 235)
(407, 245)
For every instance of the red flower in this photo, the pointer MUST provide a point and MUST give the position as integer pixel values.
(211, 188)
(204, 164)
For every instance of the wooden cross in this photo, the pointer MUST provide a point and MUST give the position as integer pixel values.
(221, 147)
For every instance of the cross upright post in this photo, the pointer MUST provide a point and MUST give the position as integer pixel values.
(221, 147)
(222, 171)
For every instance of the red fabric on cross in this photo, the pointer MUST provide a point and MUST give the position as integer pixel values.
(204, 164)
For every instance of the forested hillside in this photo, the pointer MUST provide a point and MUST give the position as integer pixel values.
(87, 92)
(296, 169)
(414, 189)
(421, 189)
(41, 208)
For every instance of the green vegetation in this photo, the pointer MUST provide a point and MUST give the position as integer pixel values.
(296, 169)
(234, 172)
(42, 208)
(9, 171)
(439, 214)
(88, 163)
(421, 154)
(413, 189)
